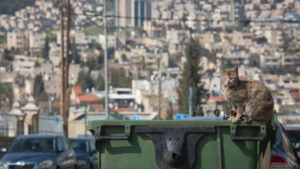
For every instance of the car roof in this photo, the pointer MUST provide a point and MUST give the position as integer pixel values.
(292, 127)
(40, 136)
(81, 139)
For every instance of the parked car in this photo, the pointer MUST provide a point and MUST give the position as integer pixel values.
(39, 152)
(293, 132)
(86, 154)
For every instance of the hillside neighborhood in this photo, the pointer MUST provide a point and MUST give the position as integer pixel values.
(146, 53)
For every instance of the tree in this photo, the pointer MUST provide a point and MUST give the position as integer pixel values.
(99, 83)
(169, 115)
(261, 40)
(39, 92)
(46, 49)
(7, 55)
(191, 77)
(85, 81)
(100, 58)
(91, 63)
(254, 60)
(119, 78)
(74, 56)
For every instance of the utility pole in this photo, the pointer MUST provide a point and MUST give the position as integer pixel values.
(190, 101)
(66, 73)
(106, 64)
(62, 63)
(159, 85)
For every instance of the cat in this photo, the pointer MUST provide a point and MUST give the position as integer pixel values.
(250, 97)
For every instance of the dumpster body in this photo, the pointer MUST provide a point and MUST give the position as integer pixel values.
(181, 144)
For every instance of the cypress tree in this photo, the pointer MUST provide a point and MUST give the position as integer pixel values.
(39, 92)
(46, 49)
(191, 77)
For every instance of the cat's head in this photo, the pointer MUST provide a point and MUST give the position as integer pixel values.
(230, 77)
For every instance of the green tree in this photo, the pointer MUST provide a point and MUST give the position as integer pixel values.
(7, 55)
(191, 77)
(85, 81)
(100, 58)
(261, 40)
(119, 78)
(7, 91)
(169, 115)
(91, 63)
(39, 92)
(99, 83)
(74, 55)
(254, 60)
(46, 49)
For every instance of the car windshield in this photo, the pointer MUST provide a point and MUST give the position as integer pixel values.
(79, 145)
(33, 145)
(295, 139)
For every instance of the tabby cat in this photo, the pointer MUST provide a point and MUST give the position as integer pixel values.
(250, 97)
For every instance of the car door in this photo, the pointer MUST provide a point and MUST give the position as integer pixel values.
(66, 155)
(62, 155)
(94, 154)
(70, 153)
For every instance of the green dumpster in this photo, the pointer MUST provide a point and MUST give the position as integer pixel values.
(179, 144)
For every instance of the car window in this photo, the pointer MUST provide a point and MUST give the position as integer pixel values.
(33, 145)
(80, 145)
(66, 144)
(295, 139)
(290, 153)
(92, 146)
(60, 144)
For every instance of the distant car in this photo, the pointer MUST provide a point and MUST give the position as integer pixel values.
(86, 154)
(39, 152)
(293, 132)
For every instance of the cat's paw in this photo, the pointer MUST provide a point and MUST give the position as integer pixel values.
(247, 119)
(235, 120)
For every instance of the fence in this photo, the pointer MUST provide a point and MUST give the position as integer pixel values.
(8, 125)
(46, 124)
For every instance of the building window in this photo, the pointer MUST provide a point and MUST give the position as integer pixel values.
(142, 12)
(136, 13)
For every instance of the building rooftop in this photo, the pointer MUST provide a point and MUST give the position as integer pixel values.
(88, 98)
(217, 99)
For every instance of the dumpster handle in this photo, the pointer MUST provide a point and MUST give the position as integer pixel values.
(112, 137)
(98, 136)
(260, 137)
